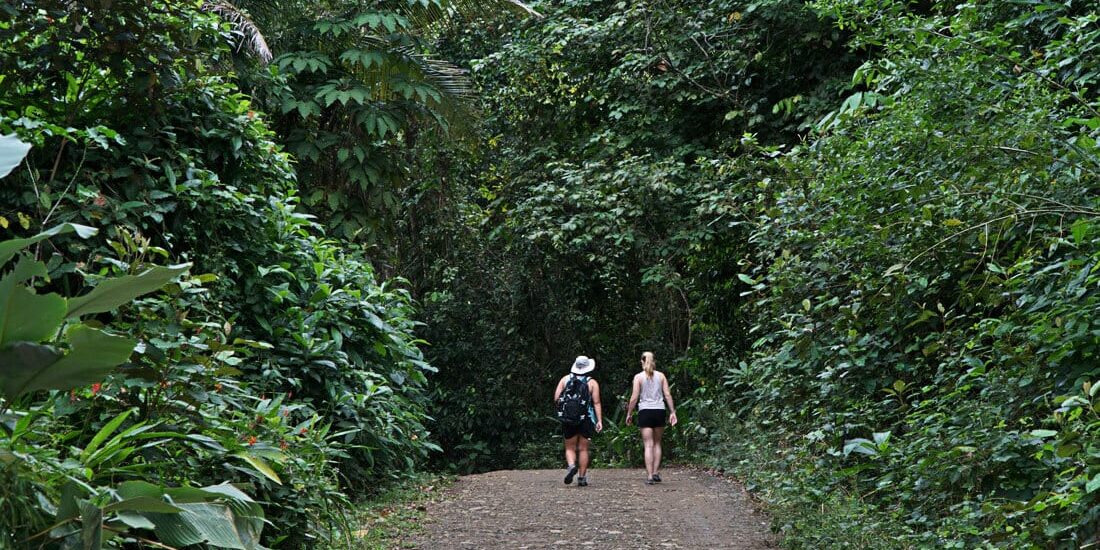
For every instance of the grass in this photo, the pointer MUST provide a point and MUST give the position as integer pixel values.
(390, 519)
(806, 513)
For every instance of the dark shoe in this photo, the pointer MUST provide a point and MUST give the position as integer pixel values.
(582, 481)
(570, 473)
(649, 481)
(656, 478)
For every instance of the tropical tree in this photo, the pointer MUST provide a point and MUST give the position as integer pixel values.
(357, 87)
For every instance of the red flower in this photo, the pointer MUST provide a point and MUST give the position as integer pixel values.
(95, 388)
(302, 431)
(284, 445)
(251, 440)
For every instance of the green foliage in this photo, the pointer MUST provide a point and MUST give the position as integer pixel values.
(222, 515)
(357, 86)
(27, 319)
(345, 345)
(12, 152)
(860, 235)
(788, 481)
(921, 290)
(391, 517)
(605, 215)
(283, 367)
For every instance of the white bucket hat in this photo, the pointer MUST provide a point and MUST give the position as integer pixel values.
(583, 365)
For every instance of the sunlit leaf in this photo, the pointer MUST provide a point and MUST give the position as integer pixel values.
(113, 293)
(12, 152)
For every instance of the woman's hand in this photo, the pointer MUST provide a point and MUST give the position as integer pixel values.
(672, 419)
(599, 425)
(629, 419)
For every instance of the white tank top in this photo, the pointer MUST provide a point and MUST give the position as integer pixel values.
(652, 394)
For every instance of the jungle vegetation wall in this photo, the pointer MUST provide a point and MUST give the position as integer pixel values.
(603, 215)
(859, 235)
(279, 374)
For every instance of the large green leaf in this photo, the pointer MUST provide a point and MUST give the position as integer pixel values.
(134, 520)
(91, 517)
(104, 432)
(135, 489)
(112, 293)
(9, 248)
(30, 317)
(143, 504)
(260, 465)
(24, 315)
(226, 490)
(248, 515)
(220, 515)
(198, 523)
(26, 367)
(27, 268)
(20, 361)
(69, 505)
(12, 151)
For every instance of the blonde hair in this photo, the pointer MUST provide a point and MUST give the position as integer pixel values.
(649, 363)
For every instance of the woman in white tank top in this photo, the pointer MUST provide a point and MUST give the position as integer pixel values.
(652, 397)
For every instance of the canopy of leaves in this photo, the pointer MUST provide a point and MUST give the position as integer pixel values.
(281, 364)
(859, 234)
(603, 216)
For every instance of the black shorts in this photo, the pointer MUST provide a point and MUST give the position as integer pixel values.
(651, 418)
(586, 429)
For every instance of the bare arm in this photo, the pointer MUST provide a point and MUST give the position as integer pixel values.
(595, 390)
(637, 385)
(561, 388)
(668, 400)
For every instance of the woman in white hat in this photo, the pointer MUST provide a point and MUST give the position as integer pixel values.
(652, 396)
(578, 399)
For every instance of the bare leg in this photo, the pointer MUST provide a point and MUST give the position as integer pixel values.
(582, 450)
(571, 450)
(657, 434)
(647, 443)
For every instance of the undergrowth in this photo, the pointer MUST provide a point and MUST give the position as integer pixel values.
(786, 484)
(388, 519)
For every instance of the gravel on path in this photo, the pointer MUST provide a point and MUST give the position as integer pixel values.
(518, 509)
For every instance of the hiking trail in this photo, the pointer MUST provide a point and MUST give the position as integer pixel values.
(518, 509)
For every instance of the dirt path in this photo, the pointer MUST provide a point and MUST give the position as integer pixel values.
(533, 509)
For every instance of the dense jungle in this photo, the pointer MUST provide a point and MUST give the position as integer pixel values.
(264, 261)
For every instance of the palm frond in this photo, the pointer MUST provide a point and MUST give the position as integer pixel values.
(520, 8)
(451, 80)
(444, 12)
(452, 110)
(251, 37)
(456, 113)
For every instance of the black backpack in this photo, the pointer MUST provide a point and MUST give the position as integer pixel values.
(574, 400)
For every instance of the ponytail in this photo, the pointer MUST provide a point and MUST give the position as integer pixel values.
(649, 363)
